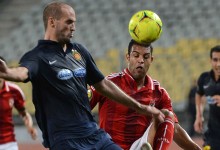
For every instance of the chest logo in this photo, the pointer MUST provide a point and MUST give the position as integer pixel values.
(206, 86)
(152, 103)
(11, 102)
(64, 74)
(76, 55)
(79, 72)
(89, 92)
(52, 62)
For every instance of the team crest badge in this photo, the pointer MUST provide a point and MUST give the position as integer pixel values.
(11, 102)
(76, 55)
(89, 92)
(152, 103)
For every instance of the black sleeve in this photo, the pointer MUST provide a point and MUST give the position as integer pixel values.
(200, 84)
(30, 61)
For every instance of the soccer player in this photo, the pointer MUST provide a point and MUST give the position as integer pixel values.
(12, 96)
(60, 71)
(129, 129)
(209, 86)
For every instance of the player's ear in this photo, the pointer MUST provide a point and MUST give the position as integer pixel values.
(127, 57)
(152, 58)
(51, 22)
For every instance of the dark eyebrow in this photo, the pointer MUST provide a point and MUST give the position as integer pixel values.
(139, 53)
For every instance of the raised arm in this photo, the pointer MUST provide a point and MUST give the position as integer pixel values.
(18, 74)
(110, 90)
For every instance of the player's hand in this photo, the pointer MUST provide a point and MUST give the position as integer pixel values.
(216, 99)
(198, 125)
(159, 117)
(33, 132)
(151, 111)
(157, 114)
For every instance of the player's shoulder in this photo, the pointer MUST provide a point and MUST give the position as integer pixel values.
(155, 82)
(79, 46)
(157, 86)
(205, 74)
(82, 49)
(13, 87)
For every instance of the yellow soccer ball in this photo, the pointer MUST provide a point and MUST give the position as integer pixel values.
(145, 27)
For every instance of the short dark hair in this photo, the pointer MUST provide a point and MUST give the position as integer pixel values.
(132, 42)
(214, 49)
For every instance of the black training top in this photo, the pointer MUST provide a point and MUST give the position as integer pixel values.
(209, 87)
(59, 81)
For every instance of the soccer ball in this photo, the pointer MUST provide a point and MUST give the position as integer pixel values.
(145, 27)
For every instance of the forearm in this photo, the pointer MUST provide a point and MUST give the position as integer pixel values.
(106, 88)
(199, 106)
(118, 96)
(183, 140)
(29, 124)
(26, 117)
(18, 74)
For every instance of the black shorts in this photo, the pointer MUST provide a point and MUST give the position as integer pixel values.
(100, 140)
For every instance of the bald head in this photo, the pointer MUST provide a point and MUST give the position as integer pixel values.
(53, 10)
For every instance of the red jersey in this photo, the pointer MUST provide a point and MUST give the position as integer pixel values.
(10, 96)
(125, 125)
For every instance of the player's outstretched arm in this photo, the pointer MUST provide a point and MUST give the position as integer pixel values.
(110, 90)
(183, 140)
(17, 74)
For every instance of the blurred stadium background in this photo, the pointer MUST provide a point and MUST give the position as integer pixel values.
(190, 29)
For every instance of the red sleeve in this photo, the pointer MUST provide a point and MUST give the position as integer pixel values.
(19, 100)
(166, 103)
(94, 97)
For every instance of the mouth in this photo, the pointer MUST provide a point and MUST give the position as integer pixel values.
(139, 68)
(71, 34)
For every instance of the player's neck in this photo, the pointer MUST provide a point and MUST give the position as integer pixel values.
(140, 83)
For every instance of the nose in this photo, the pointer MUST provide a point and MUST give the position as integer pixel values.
(141, 59)
(73, 27)
(218, 63)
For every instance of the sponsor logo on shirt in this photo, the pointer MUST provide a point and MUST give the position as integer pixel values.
(79, 72)
(64, 74)
(76, 55)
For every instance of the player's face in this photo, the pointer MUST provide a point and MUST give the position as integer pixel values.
(215, 62)
(139, 61)
(65, 26)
